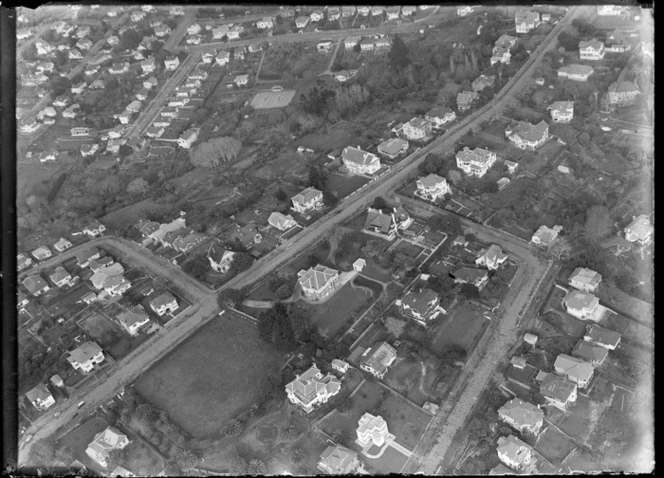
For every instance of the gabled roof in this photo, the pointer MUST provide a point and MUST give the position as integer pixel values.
(216, 252)
(311, 384)
(84, 352)
(493, 253)
(546, 235)
(393, 145)
(469, 274)
(419, 300)
(529, 132)
(39, 393)
(162, 299)
(573, 367)
(585, 276)
(135, 315)
(108, 439)
(357, 156)
(279, 220)
(524, 414)
(316, 277)
(578, 300)
(431, 181)
(377, 219)
(439, 112)
(595, 44)
(602, 335)
(478, 156)
(380, 356)
(60, 274)
(307, 195)
(515, 449)
(589, 352)
(34, 283)
(561, 106)
(576, 69)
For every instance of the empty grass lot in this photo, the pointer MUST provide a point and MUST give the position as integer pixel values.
(553, 445)
(460, 328)
(342, 185)
(211, 376)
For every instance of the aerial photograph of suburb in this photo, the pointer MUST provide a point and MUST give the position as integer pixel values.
(263, 239)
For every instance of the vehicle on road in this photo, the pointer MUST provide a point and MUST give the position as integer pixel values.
(81, 403)
(57, 414)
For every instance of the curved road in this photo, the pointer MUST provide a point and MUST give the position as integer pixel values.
(131, 366)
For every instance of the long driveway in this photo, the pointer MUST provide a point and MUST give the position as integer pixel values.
(130, 367)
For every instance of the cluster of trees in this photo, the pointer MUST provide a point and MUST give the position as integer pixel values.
(448, 223)
(213, 152)
(282, 326)
(281, 58)
(441, 165)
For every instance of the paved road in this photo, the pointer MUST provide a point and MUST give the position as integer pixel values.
(138, 361)
(180, 31)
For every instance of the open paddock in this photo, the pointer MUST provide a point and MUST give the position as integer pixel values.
(272, 99)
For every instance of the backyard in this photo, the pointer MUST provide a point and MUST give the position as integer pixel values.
(101, 329)
(553, 445)
(210, 377)
(463, 327)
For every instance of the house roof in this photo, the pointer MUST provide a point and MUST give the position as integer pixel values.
(505, 41)
(34, 283)
(485, 80)
(585, 276)
(526, 16)
(316, 277)
(524, 414)
(401, 214)
(369, 422)
(191, 239)
(84, 352)
(513, 448)
(602, 335)
(589, 352)
(594, 43)
(378, 220)
(307, 195)
(561, 106)
(501, 469)
(419, 300)
(279, 220)
(477, 156)
(529, 132)
(311, 384)
(573, 367)
(493, 253)
(39, 393)
(108, 439)
(380, 356)
(357, 156)
(579, 300)
(466, 97)
(546, 235)
(162, 299)
(439, 112)
(100, 277)
(576, 69)
(469, 274)
(134, 316)
(216, 252)
(431, 181)
(640, 227)
(60, 274)
(392, 145)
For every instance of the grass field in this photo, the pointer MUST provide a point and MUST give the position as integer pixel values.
(272, 99)
(343, 185)
(461, 328)
(553, 445)
(79, 438)
(210, 377)
(101, 329)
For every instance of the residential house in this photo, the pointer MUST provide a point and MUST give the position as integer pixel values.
(88, 71)
(377, 359)
(363, 10)
(208, 57)
(432, 187)
(310, 199)
(110, 279)
(142, 94)
(511, 166)
(40, 397)
(86, 356)
(137, 16)
(602, 336)
(265, 23)
(408, 10)
(104, 442)
(94, 229)
(382, 45)
(239, 53)
(640, 230)
(80, 131)
(380, 224)
(500, 54)
(194, 29)
(417, 129)
(41, 253)
(393, 12)
(324, 47)
(440, 115)
(96, 85)
(482, 82)
(623, 93)
(526, 21)
(84, 44)
(23, 262)
(29, 126)
(333, 14)
(588, 352)
(133, 319)
(223, 58)
(113, 145)
(610, 10)
(617, 42)
(574, 369)
(561, 111)
(513, 452)
(148, 65)
(98, 264)
(372, 430)
(422, 305)
(492, 257)
(74, 54)
(522, 416)
(43, 47)
(393, 147)
(575, 72)
(360, 162)
(348, 10)
(545, 236)
(241, 80)
(187, 242)
(164, 303)
(585, 280)
(476, 162)
(377, 10)
(287, 12)
(281, 221)
(83, 31)
(366, 44)
(48, 111)
(247, 235)
(187, 138)
(162, 30)
(316, 15)
(463, 10)
(118, 68)
(171, 63)
(591, 50)
(62, 245)
(527, 136)
(83, 258)
(302, 22)
(176, 11)
(312, 388)
(318, 282)
(35, 285)
(339, 365)
(465, 99)
(49, 155)
(60, 277)
(154, 131)
(220, 259)
(471, 275)
(339, 460)
(113, 40)
(402, 218)
(581, 305)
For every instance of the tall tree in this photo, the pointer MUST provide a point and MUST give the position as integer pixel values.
(598, 223)
(398, 54)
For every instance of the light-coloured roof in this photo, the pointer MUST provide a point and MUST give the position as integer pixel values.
(34, 283)
(393, 145)
(316, 277)
(39, 393)
(493, 253)
(573, 367)
(594, 43)
(311, 384)
(477, 156)
(370, 423)
(585, 276)
(602, 335)
(439, 112)
(163, 299)
(579, 300)
(279, 220)
(431, 181)
(60, 274)
(640, 227)
(134, 316)
(524, 414)
(357, 156)
(84, 352)
(513, 448)
(546, 235)
(529, 132)
(561, 106)
(380, 356)
(307, 195)
(576, 69)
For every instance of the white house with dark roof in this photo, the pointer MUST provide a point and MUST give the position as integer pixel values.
(104, 442)
(310, 199)
(576, 370)
(640, 230)
(475, 162)
(561, 111)
(513, 452)
(602, 336)
(526, 20)
(187, 138)
(41, 253)
(86, 356)
(171, 63)
(380, 224)
(339, 460)
(524, 135)
(522, 416)
(432, 187)
(372, 431)
(40, 397)
(491, 257)
(164, 303)
(318, 282)
(133, 319)
(585, 280)
(421, 306)
(360, 162)
(281, 221)
(312, 388)
(60, 277)
(393, 147)
(591, 50)
(377, 359)
(302, 21)
(582, 305)
(351, 41)
(589, 352)
(545, 236)
(557, 390)
(440, 115)
(94, 229)
(576, 72)
(220, 258)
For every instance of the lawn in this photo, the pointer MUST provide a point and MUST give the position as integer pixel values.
(342, 185)
(313, 444)
(570, 325)
(390, 462)
(404, 377)
(512, 193)
(330, 316)
(553, 445)
(406, 421)
(362, 281)
(376, 267)
(462, 328)
(80, 437)
(141, 460)
(101, 329)
(211, 376)
(411, 250)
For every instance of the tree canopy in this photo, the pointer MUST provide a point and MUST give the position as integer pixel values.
(398, 54)
(275, 326)
(213, 152)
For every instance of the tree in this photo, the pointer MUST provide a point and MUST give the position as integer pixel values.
(42, 452)
(297, 456)
(233, 427)
(186, 460)
(598, 223)
(242, 261)
(440, 284)
(230, 297)
(138, 186)
(374, 248)
(284, 292)
(448, 223)
(316, 177)
(256, 467)
(567, 41)
(212, 152)
(454, 176)
(290, 432)
(257, 409)
(281, 195)
(379, 203)
(469, 291)
(560, 249)
(398, 54)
